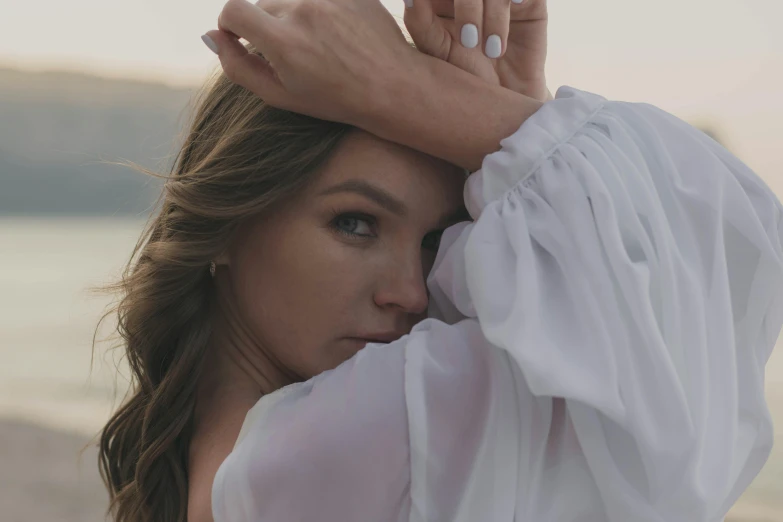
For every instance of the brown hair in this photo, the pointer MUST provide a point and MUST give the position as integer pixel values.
(240, 158)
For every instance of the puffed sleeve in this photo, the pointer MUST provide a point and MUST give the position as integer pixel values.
(595, 351)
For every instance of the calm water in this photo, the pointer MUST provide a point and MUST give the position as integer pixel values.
(48, 316)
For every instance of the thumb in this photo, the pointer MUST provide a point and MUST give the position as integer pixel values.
(245, 68)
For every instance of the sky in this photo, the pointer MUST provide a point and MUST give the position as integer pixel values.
(714, 62)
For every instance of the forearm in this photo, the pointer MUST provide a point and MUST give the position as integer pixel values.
(447, 113)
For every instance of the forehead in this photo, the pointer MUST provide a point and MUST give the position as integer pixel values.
(407, 174)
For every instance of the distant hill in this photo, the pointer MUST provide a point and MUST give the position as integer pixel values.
(56, 128)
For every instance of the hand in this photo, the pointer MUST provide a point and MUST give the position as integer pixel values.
(347, 61)
(436, 29)
(333, 60)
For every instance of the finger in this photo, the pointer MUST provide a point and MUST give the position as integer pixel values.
(242, 19)
(247, 69)
(525, 10)
(497, 17)
(426, 29)
(468, 15)
(443, 8)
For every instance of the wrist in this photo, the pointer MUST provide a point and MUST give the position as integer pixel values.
(385, 94)
(440, 110)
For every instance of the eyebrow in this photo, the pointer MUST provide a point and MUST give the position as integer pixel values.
(384, 199)
(371, 192)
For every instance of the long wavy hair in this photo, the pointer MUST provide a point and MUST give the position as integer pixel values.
(240, 159)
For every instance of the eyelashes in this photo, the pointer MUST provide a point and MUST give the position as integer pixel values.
(431, 241)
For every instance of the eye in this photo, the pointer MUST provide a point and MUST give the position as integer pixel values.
(432, 240)
(354, 225)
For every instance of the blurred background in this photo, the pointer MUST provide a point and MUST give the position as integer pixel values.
(89, 81)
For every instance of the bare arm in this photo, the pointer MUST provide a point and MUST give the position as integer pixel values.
(448, 113)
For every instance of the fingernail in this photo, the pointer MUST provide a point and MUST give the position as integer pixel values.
(494, 46)
(469, 36)
(517, 1)
(210, 43)
(408, 3)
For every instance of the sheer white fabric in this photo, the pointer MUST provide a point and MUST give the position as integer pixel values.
(595, 350)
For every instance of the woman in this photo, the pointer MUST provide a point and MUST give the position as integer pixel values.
(595, 340)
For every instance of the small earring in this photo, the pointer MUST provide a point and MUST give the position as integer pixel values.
(212, 268)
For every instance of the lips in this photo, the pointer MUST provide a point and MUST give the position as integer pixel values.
(383, 338)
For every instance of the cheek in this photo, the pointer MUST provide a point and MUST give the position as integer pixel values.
(300, 296)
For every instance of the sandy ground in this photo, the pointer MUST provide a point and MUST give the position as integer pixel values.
(45, 478)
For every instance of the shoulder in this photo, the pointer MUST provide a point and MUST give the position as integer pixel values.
(334, 448)
(340, 414)
(339, 445)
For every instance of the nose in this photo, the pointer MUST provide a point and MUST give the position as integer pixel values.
(404, 286)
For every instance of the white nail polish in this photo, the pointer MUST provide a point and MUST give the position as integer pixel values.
(493, 47)
(408, 4)
(517, 1)
(210, 43)
(469, 36)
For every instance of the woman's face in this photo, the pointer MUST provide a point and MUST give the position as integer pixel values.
(348, 260)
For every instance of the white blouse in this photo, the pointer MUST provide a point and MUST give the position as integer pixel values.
(595, 349)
